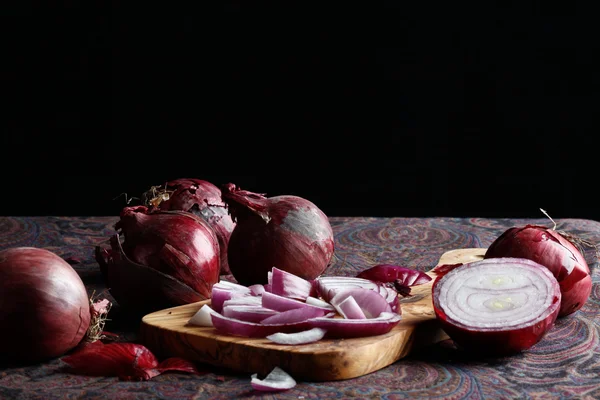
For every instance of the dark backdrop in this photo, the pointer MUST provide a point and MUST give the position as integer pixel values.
(384, 110)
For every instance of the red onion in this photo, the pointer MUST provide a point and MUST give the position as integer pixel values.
(44, 306)
(403, 278)
(288, 232)
(199, 197)
(553, 250)
(167, 258)
(496, 306)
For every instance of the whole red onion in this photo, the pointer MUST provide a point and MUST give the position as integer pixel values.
(44, 306)
(199, 197)
(553, 250)
(287, 232)
(160, 259)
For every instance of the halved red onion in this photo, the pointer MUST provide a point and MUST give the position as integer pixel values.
(498, 305)
(277, 380)
(370, 302)
(250, 313)
(302, 337)
(293, 316)
(202, 316)
(349, 328)
(286, 284)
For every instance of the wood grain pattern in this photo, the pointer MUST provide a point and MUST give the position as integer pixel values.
(165, 332)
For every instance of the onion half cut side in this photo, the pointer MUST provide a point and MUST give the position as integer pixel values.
(497, 306)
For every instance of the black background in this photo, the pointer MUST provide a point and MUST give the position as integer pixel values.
(385, 110)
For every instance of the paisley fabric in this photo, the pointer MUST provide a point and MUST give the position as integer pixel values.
(564, 365)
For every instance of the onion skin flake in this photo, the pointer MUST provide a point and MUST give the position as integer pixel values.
(498, 306)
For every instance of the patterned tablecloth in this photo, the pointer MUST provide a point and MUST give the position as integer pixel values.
(565, 364)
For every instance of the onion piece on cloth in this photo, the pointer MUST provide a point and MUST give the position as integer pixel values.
(199, 197)
(276, 380)
(167, 258)
(288, 232)
(496, 306)
(128, 361)
(556, 252)
(45, 310)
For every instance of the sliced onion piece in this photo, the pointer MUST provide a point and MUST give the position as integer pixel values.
(286, 284)
(392, 300)
(277, 380)
(327, 286)
(350, 309)
(293, 316)
(232, 286)
(243, 301)
(313, 301)
(280, 303)
(302, 337)
(256, 289)
(349, 328)
(219, 296)
(236, 327)
(202, 317)
(250, 313)
(391, 273)
(370, 302)
(497, 306)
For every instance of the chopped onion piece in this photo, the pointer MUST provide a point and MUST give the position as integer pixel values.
(219, 296)
(302, 337)
(202, 316)
(294, 315)
(349, 308)
(236, 327)
(391, 273)
(370, 302)
(313, 301)
(250, 313)
(232, 286)
(286, 284)
(277, 380)
(280, 303)
(327, 286)
(256, 289)
(348, 328)
(243, 301)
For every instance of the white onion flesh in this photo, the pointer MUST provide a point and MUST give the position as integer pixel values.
(296, 338)
(277, 380)
(286, 284)
(202, 317)
(493, 297)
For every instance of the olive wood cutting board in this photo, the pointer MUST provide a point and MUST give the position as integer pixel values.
(166, 333)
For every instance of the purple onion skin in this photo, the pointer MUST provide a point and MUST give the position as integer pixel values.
(493, 343)
(288, 232)
(555, 252)
(204, 199)
(44, 306)
(175, 243)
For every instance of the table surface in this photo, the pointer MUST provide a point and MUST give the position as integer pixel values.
(565, 364)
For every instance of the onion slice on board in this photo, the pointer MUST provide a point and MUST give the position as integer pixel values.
(302, 337)
(497, 306)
